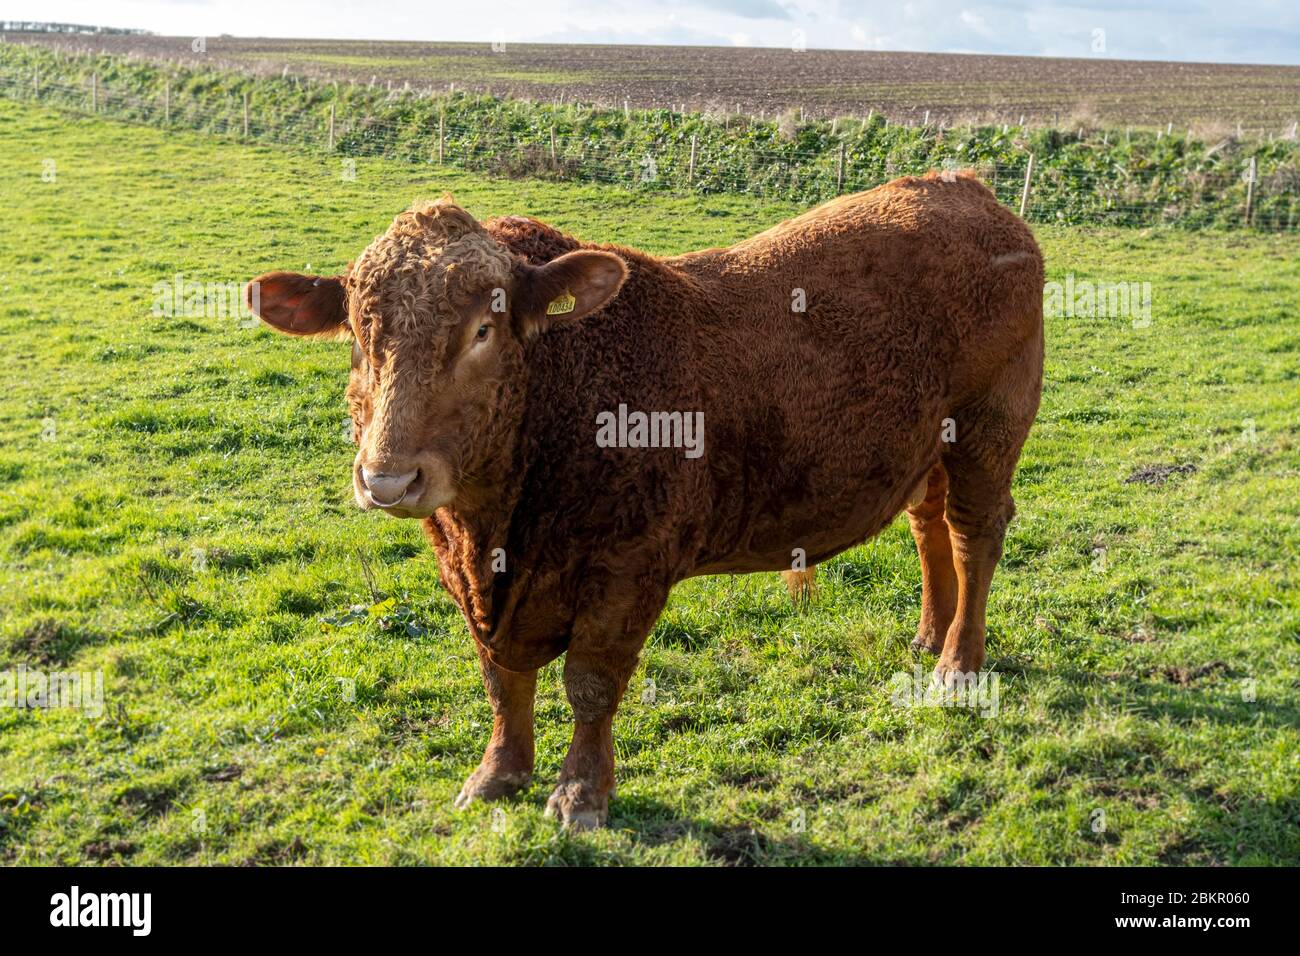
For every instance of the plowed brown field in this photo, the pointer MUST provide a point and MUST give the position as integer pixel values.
(952, 87)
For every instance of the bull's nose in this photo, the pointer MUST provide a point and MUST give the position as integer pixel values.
(385, 488)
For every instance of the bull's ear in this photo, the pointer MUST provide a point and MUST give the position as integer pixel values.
(567, 288)
(299, 304)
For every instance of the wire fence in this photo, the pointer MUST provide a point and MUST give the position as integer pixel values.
(1100, 192)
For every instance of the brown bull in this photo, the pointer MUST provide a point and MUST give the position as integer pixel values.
(580, 427)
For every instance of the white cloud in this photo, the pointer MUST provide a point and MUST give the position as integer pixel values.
(976, 23)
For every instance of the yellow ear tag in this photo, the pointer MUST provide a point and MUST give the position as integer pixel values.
(563, 305)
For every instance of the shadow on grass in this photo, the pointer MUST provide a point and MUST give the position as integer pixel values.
(1182, 695)
(651, 823)
(1224, 825)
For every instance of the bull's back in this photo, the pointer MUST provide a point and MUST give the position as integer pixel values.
(839, 342)
(920, 256)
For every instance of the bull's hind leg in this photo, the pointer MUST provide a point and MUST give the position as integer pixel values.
(980, 464)
(925, 513)
(802, 585)
(507, 764)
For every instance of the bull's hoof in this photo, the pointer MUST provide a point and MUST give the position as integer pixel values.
(578, 805)
(485, 784)
(952, 675)
(929, 640)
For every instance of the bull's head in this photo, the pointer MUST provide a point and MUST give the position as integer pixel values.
(438, 313)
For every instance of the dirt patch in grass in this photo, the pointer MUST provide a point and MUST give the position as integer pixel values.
(47, 642)
(749, 779)
(147, 801)
(1158, 474)
(223, 774)
(1144, 633)
(1185, 676)
(278, 853)
(102, 850)
(737, 846)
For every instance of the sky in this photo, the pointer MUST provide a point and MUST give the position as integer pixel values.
(1244, 31)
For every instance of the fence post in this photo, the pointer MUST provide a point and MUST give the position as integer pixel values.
(331, 127)
(1250, 191)
(94, 92)
(690, 173)
(1024, 195)
(839, 172)
(245, 115)
(555, 160)
(167, 103)
(442, 119)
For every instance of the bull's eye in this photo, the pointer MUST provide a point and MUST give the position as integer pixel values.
(482, 332)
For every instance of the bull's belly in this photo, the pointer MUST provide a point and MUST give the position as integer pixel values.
(798, 487)
(795, 537)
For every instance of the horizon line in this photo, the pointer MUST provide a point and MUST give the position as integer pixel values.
(126, 31)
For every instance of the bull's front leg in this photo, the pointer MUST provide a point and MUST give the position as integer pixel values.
(601, 659)
(594, 687)
(507, 764)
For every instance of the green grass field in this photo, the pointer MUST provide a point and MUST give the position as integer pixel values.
(175, 511)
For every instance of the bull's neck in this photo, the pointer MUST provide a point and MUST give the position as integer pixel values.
(472, 535)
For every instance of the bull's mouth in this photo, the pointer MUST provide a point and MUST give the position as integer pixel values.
(401, 511)
(418, 501)
(416, 492)
(385, 505)
(408, 506)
